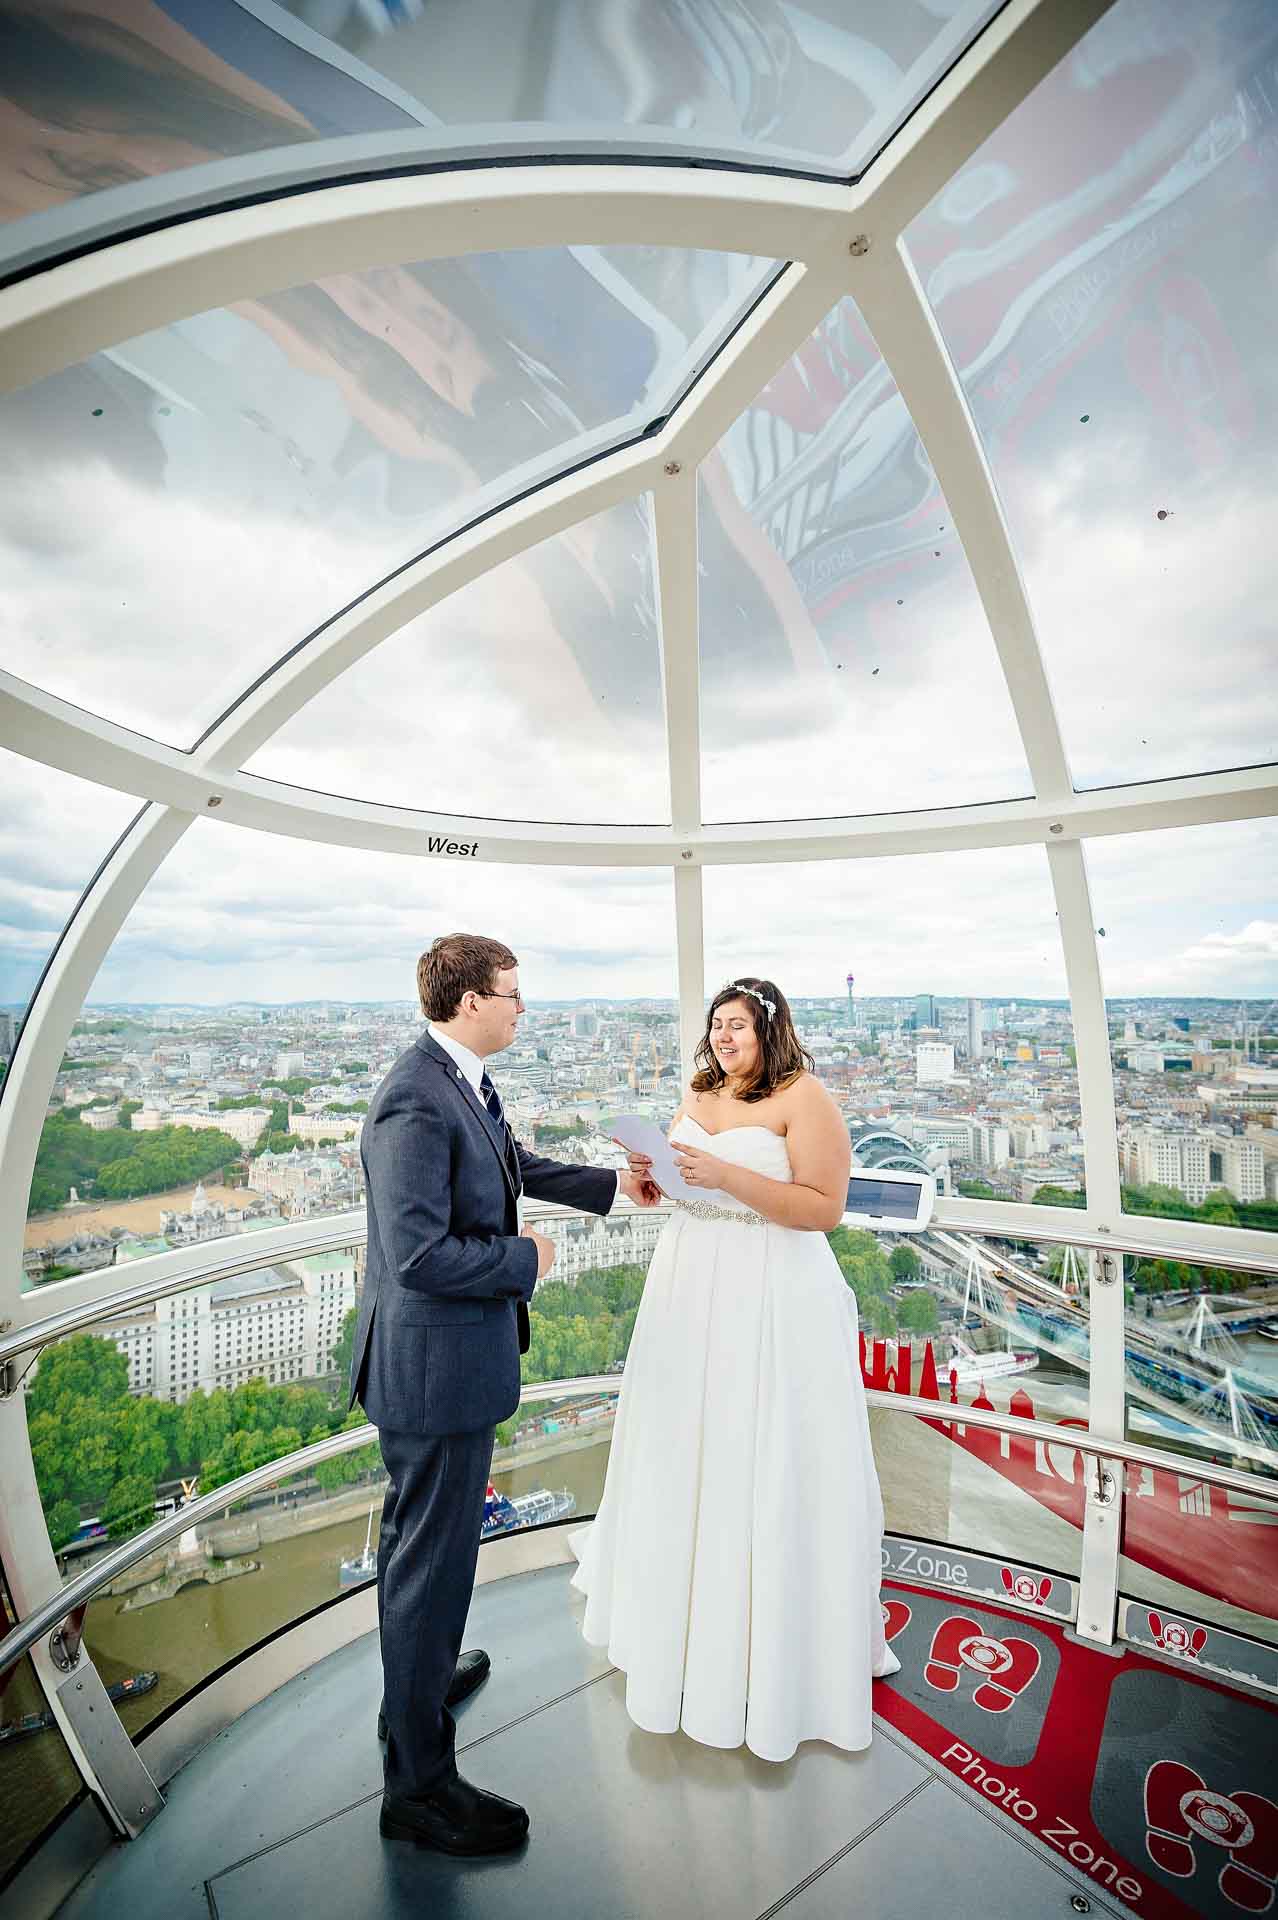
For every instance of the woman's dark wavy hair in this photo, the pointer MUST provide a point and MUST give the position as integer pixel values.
(781, 1058)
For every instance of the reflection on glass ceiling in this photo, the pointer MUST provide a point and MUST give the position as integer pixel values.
(97, 93)
(100, 93)
(534, 692)
(820, 85)
(846, 664)
(1105, 274)
(184, 509)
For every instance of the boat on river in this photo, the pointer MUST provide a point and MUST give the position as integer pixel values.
(363, 1566)
(130, 1689)
(506, 1513)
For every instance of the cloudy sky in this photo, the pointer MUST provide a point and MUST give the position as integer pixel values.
(239, 915)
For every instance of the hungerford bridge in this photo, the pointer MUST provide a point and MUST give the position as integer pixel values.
(1175, 1372)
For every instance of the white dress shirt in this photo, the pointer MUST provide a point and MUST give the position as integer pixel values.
(470, 1063)
(472, 1071)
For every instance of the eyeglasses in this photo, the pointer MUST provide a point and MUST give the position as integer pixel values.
(517, 997)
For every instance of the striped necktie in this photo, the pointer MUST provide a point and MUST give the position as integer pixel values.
(492, 1100)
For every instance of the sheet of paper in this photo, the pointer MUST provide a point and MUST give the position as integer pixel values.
(640, 1136)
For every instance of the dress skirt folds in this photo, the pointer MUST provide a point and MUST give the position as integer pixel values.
(733, 1569)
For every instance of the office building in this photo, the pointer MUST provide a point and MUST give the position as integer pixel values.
(933, 1062)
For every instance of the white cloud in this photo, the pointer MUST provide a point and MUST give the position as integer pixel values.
(1188, 910)
(239, 915)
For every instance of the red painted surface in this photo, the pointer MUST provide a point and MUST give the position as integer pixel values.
(1220, 1543)
(1191, 1817)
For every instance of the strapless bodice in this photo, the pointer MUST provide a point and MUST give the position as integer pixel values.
(758, 1148)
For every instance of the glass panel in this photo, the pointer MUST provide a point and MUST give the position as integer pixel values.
(1190, 955)
(954, 1486)
(468, 710)
(551, 1457)
(931, 993)
(1101, 272)
(805, 84)
(240, 1104)
(100, 94)
(1202, 1382)
(54, 830)
(38, 1778)
(846, 666)
(184, 1394)
(232, 481)
(989, 1323)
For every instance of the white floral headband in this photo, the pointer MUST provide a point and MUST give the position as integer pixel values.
(771, 1005)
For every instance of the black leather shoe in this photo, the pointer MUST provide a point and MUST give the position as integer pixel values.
(455, 1818)
(471, 1670)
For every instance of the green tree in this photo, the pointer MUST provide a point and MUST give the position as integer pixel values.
(141, 1431)
(202, 1426)
(918, 1314)
(905, 1263)
(1059, 1197)
(62, 1519)
(876, 1316)
(866, 1270)
(129, 1506)
(344, 1345)
(82, 1367)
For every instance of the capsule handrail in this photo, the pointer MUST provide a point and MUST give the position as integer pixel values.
(239, 1255)
(78, 1592)
(233, 1256)
(226, 1259)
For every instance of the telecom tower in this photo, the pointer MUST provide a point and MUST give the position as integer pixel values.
(851, 999)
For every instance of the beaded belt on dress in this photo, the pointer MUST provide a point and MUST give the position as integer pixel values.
(704, 1210)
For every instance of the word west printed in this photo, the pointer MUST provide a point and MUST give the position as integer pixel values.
(1179, 1807)
(462, 849)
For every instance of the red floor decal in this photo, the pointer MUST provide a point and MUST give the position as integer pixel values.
(1147, 1777)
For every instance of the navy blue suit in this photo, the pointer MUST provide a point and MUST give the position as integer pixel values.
(442, 1323)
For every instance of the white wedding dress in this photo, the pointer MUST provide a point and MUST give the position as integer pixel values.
(733, 1568)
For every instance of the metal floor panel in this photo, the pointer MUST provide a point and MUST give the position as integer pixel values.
(942, 1855)
(282, 1808)
(624, 1823)
(311, 1747)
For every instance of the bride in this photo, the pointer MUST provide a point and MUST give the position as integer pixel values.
(733, 1568)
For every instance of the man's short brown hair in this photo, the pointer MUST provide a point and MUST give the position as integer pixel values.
(455, 964)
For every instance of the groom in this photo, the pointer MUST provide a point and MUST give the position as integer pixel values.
(442, 1323)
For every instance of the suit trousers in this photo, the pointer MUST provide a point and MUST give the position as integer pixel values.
(426, 1558)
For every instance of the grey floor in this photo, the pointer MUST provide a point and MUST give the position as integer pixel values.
(281, 1810)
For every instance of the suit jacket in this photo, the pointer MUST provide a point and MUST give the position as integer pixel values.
(444, 1314)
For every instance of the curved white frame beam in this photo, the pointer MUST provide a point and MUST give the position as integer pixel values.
(844, 241)
(52, 732)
